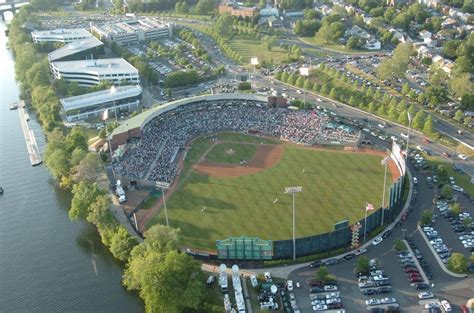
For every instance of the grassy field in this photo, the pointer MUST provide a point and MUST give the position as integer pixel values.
(319, 42)
(336, 186)
(249, 47)
(220, 153)
(462, 180)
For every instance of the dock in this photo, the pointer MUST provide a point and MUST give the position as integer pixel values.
(30, 139)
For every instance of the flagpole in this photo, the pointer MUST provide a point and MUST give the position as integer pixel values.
(365, 221)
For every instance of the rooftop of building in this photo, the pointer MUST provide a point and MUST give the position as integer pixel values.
(74, 47)
(101, 66)
(91, 99)
(131, 26)
(82, 32)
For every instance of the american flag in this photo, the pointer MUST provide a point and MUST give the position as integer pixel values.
(369, 207)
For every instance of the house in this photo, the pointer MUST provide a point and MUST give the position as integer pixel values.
(373, 44)
(267, 12)
(423, 51)
(448, 66)
(357, 31)
(425, 34)
(293, 15)
(236, 10)
(400, 35)
(430, 3)
(448, 23)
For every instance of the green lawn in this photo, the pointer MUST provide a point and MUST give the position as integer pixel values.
(231, 153)
(319, 42)
(462, 180)
(249, 47)
(237, 137)
(336, 186)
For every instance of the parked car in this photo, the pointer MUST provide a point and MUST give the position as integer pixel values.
(425, 295)
(377, 241)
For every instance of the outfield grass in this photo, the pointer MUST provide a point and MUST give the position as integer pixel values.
(237, 137)
(220, 153)
(336, 186)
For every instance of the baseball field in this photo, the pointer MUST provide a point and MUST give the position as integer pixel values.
(233, 185)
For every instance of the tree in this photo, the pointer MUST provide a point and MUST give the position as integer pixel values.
(292, 79)
(122, 243)
(284, 77)
(428, 128)
(467, 121)
(426, 217)
(467, 222)
(362, 264)
(84, 195)
(399, 245)
(298, 27)
(99, 212)
(58, 163)
(300, 82)
(354, 42)
(223, 26)
(333, 93)
(88, 169)
(325, 33)
(458, 263)
(182, 7)
(322, 274)
(455, 208)
(167, 280)
(419, 120)
(381, 111)
(461, 84)
(76, 139)
(403, 118)
(393, 113)
(447, 191)
(458, 115)
(406, 89)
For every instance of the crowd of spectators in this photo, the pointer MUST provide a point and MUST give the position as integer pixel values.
(154, 156)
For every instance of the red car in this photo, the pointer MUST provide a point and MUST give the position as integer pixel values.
(464, 309)
(412, 271)
(416, 279)
(446, 154)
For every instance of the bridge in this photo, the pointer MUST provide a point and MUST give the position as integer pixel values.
(11, 6)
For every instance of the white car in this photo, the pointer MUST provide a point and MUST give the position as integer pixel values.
(372, 302)
(330, 288)
(415, 181)
(289, 285)
(333, 295)
(404, 135)
(457, 188)
(431, 305)
(268, 277)
(377, 240)
(360, 251)
(253, 281)
(425, 295)
(320, 307)
(462, 157)
(388, 300)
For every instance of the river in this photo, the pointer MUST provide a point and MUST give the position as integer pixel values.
(47, 262)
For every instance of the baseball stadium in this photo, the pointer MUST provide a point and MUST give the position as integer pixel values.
(226, 161)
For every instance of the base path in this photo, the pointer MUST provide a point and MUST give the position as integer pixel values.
(265, 157)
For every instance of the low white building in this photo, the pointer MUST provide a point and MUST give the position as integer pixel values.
(373, 44)
(80, 49)
(91, 72)
(60, 35)
(116, 99)
(133, 31)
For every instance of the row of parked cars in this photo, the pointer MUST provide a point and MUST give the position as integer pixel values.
(461, 224)
(437, 243)
(421, 261)
(410, 268)
(324, 295)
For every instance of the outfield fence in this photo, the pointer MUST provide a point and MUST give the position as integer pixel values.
(340, 238)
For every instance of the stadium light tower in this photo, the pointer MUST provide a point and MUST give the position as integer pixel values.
(163, 186)
(254, 62)
(304, 71)
(293, 191)
(384, 162)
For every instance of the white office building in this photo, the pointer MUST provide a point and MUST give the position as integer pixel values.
(133, 31)
(76, 50)
(60, 35)
(92, 72)
(116, 100)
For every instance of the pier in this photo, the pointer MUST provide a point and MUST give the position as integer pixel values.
(31, 144)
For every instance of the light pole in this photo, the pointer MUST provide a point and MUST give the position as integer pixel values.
(293, 191)
(409, 131)
(403, 232)
(163, 186)
(254, 62)
(105, 117)
(304, 71)
(384, 162)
